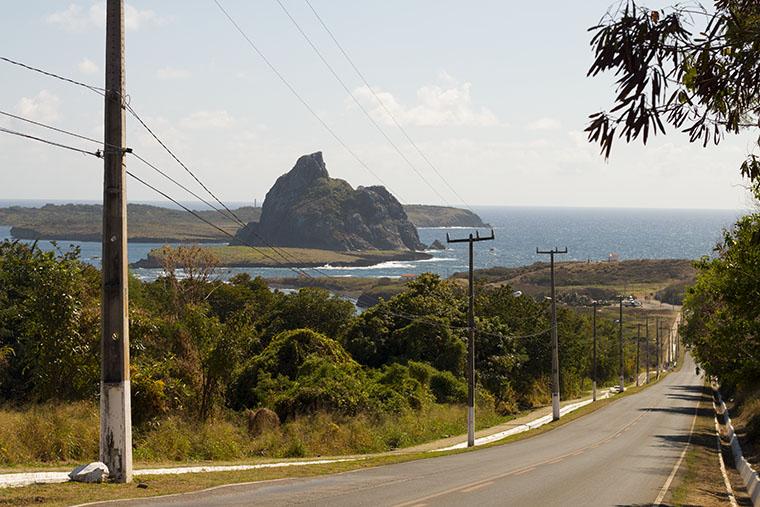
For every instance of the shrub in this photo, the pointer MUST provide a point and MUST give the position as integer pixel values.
(447, 388)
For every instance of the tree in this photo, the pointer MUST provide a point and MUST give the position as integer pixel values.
(49, 325)
(692, 68)
(721, 309)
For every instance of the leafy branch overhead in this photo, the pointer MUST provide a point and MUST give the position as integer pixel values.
(694, 68)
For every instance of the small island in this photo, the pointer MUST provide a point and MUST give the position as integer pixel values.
(425, 215)
(267, 257)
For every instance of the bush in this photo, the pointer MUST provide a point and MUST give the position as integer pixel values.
(447, 388)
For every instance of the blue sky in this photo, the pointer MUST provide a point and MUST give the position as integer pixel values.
(494, 93)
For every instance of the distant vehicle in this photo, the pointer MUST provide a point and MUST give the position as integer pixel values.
(517, 294)
(631, 302)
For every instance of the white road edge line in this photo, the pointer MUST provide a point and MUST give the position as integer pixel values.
(726, 481)
(666, 486)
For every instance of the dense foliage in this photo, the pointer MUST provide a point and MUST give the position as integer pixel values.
(200, 346)
(722, 310)
(689, 66)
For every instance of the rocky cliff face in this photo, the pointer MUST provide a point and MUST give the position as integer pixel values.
(306, 208)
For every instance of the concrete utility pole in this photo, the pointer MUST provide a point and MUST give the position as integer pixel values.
(555, 340)
(638, 347)
(593, 378)
(657, 346)
(620, 335)
(649, 362)
(115, 409)
(471, 336)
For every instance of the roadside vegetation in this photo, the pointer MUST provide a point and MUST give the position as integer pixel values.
(224, 371)
(723, 324)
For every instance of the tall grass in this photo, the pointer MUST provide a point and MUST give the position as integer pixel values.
(68, 433)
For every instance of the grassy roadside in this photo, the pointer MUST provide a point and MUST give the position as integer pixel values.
(699, 481)
(71, 493)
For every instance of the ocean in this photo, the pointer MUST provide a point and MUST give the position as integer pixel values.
(588, 233)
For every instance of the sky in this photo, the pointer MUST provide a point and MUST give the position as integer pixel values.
(493, 92)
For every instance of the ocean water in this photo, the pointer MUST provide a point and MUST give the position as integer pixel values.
(588, 233)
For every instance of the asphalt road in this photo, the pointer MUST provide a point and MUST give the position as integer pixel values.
(621, 454)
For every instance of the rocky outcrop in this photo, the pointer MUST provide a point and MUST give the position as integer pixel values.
(437, 245)
(308, 209)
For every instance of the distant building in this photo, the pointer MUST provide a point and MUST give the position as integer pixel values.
(613, 257)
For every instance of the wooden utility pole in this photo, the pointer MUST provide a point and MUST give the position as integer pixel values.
(555, 340)
(594, 304)
(471, 336)
(638, 348)
(115, 409)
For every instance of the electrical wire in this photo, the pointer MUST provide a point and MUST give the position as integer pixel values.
(97, 154)
(300, 272)
(299, 97)
(101, 91)
(96, 89)
(385, 108)
(359, 104)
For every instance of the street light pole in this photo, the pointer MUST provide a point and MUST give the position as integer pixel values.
(593, 379)
(555, 340)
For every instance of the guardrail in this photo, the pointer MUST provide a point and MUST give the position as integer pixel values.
(726, 430)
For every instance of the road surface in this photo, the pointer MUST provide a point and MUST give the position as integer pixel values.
(621, 454)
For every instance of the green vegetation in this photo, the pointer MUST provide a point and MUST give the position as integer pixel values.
(244, 256)
(689, 66)
(422, 215)
(581, 282)
(146, 224)
(204, 353)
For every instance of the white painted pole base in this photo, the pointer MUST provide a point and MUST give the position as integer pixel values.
(593, 391)
(470, 426)
(622, 383)
(116, 430)
(555, 406)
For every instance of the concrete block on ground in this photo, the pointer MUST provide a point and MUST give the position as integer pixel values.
(94, 472)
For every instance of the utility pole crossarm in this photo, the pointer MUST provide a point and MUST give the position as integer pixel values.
(477, 237)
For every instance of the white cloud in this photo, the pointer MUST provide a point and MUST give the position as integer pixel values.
(87, 66)
(218, 119)
(544, 124)
(447, 105)
(168, 73)
(42, 107)
(77, 18)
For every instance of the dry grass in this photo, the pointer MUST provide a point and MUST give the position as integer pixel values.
(57, 435)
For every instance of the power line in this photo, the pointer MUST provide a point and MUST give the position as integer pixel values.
(199, 217)
(131, 110)
(385, 108)
(96, 89)
(50, 127)
(97, 153)
(299, 97)
(358, 103)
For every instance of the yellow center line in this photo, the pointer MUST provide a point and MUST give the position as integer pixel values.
(477, 486)
(519, 471)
